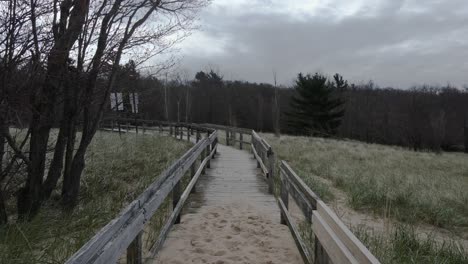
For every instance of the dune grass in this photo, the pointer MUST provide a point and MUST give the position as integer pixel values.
(410, 187)
(118, 169)
(416, 186)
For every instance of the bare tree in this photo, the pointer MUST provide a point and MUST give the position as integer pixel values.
(276, 109)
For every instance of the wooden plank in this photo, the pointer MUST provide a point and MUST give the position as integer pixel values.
(308, 193)
(262, 166)
(320, 255)
(297, 195)
(271, 170)
(296, 235)
(261, 142)
(175, 199)
(357, 249)
(104, 235)
(134, 251)
(336, 250)
(284, 196)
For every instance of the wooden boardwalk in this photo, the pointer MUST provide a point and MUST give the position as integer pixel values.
(230, 218)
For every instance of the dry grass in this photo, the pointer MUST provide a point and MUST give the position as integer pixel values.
(118, 169)
(408, 187)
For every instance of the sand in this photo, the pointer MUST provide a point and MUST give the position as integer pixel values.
(237, 232)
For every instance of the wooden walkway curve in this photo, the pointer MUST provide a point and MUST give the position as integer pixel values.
(230, 218)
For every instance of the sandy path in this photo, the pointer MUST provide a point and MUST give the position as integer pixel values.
(238, 232)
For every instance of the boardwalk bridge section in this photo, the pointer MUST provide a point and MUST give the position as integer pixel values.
(234, 176)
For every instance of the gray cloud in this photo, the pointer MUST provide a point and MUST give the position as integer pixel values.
(394, 43)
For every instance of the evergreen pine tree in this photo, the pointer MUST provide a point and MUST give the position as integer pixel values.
(317, 107)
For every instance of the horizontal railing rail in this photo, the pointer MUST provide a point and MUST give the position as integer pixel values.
(125, 231)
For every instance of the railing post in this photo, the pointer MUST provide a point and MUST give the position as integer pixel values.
(144, 127)
(198, 135)
(241, 138)
(202, 157)
(188, 133)
(136, 127)
(175, 199)
(193, 169)
(181, 131)
(213, 147)
(320, 255)
(170, 130)
(208, 151)
(271, 170)
(134, 251)
(284, 196)
(227, 137)
(120, 129)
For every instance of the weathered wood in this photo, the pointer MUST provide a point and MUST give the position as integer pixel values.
(260, 162)
(175, 199)
(192, 175)
(220, 127)
(296, 235)
(284, 197)
(198, 135)
(134, 251)
(208, 163)
(308, 193)
(271, 170)
(297, 195)
(202, 157)
(241, 138)
(357, 249)
(336, 250)
(320, 255)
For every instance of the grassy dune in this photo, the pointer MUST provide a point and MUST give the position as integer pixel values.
(411, 188)
(118, 169)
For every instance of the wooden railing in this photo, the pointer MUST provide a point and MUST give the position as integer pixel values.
(231, 134)
(265, 157)
(333, 242)
(124, 233)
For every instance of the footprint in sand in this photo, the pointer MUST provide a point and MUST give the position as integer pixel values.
(219, 253)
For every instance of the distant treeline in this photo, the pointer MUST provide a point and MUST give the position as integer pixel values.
(420, 118)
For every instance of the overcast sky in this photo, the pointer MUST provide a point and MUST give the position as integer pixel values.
(395, 43)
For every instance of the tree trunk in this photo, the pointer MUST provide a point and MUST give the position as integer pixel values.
(67, 127)
(73, 16)
(3, 213)
(29, 197)
(71, 180)
(56, 166)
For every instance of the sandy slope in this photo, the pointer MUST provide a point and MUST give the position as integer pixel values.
(238, 232)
